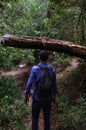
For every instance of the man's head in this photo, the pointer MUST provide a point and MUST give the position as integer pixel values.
(43, 55)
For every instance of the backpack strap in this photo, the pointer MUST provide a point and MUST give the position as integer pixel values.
(41, 66)
(48, 67)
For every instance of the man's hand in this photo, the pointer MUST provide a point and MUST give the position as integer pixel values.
(26, 100)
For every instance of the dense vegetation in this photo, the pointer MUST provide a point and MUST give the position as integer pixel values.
(59, 19)
(71, 101)
(12, 109)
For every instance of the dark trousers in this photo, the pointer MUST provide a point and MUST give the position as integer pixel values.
(36, 107)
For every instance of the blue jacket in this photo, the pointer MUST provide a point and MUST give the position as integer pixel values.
(33, 78)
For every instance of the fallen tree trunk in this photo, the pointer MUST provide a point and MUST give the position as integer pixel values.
(46, 44)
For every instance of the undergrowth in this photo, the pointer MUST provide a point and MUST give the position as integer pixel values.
(71, 116)
(12, 109)
(71, 100)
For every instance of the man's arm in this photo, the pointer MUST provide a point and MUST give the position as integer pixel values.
(28, 86)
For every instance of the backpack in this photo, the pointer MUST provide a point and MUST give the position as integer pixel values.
(45, 82)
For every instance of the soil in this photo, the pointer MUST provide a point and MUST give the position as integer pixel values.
(20, 73)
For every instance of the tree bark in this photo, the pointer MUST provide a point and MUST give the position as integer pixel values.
(45, 43)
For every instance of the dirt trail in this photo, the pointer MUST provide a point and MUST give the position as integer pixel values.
(19, 72)
(16, 72)
(73, 65)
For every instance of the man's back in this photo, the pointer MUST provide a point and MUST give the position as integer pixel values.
(34, 78)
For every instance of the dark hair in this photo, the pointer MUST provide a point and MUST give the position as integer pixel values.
(43, 55)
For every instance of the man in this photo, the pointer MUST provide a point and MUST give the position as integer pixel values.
(39, 102)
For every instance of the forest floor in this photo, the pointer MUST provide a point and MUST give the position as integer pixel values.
(19, 74)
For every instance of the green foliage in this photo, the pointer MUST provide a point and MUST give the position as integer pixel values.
(8, 88)
(72, 116)
(12, 57)
(4, 3)
(55, 19)
(60, 57)
(19, 126)
(11, 115)
(68, 19)
(24, 18)
(12, 110)
(71, 101)
(62, 101)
